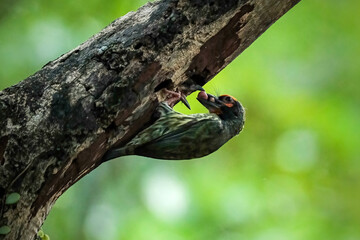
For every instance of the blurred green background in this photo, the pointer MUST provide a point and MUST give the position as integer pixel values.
(293, 173)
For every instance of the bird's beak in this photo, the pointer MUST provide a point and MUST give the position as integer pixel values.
(197, 88)
(183, 96)
(212, 103)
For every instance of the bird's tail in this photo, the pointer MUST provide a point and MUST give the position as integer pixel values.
(115, 153)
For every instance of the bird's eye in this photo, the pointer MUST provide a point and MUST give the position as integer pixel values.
(228, 99)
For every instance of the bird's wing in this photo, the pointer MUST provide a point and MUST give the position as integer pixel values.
(171, 137)
(184, 140)
(167, 125)
(191, 130)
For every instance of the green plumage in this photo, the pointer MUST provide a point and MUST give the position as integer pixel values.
(179, 136)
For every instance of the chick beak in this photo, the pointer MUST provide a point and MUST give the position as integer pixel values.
(212, 103)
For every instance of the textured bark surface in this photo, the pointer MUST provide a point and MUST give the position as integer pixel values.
(56, 125)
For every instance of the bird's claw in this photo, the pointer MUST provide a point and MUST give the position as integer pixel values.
(174, 96)
(185, 101)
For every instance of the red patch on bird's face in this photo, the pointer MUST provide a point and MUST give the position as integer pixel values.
(230, 105)
(225, 95)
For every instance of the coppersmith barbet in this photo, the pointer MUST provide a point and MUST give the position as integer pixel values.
(177, 136)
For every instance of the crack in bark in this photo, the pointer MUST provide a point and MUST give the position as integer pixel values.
(213, 53)
(3, 143)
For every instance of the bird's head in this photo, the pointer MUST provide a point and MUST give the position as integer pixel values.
(225, 106)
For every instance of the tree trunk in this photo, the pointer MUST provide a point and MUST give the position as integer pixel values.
(56, 125)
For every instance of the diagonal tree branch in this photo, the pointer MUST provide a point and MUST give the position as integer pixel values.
(56, 125)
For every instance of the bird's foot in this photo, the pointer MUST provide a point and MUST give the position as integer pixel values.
(173, 97)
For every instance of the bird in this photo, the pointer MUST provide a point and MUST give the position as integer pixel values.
(177, 136)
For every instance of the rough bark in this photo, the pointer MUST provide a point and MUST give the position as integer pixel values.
(56, 125)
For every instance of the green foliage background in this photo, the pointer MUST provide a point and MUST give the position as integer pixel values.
(293, 173)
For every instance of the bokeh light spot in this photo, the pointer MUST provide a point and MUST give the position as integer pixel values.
(100, 223)
(165, 195)
(296, 150)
